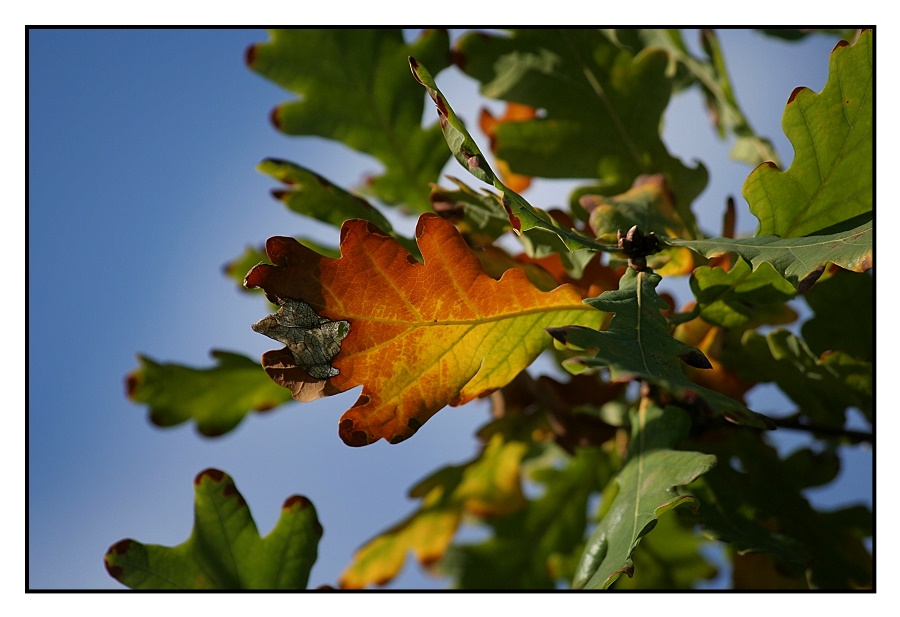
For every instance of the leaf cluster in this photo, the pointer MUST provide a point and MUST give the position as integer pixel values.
(647, 454)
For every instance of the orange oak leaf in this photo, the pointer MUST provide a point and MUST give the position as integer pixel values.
(421, 335)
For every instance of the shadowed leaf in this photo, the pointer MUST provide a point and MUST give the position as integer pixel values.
(536, 546)
(638, 345)
(422, 336)
(522, 215)
(822, 386)
(598, 101)
(844, 305)
(647, 488)
(711, 76)
(224, 550)
(753, 500)
(216, 398)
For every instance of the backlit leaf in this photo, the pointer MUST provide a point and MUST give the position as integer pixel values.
(533, 547)
(422, 336)
(216, 398)
(224, 550)
(353, 87)
(732, 298)
(638, 345)
(647, 488)
(830, 179)
(489, 485)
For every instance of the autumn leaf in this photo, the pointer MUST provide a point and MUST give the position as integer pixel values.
(224, 550)
(650, 205)
(515, 112)
(488, 485)
(422, 335)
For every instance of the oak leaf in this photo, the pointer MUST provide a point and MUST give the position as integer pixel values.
(421, 335)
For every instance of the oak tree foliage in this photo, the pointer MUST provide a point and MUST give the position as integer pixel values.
(638, 449)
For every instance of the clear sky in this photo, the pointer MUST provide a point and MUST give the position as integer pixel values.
(142, 147)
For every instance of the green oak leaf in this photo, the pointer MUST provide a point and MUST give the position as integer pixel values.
(480, 217)
(711, 76)
(353, 88)
(534, 548)
(638, 344)
(755, 503)
(799, 260)
(823, 387)
(224, 550)
(647, 488)
(831, 177)
(216, 398)
(311, 195)
(598, 100)
(843, 304)
(487, 485)
(522, 215)
(672, 557)
(734, 297)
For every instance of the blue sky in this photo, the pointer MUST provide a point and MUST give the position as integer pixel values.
(141, 185)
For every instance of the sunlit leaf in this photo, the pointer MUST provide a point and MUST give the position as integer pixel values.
(489, 485)
(308, 193)
(732, 298)
(422, 336)
(216, 398)
(831, 177)
(672, 557)
(647, 488)
(353, 88)
(224, 550)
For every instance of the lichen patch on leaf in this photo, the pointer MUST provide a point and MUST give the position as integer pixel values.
(313, 341)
